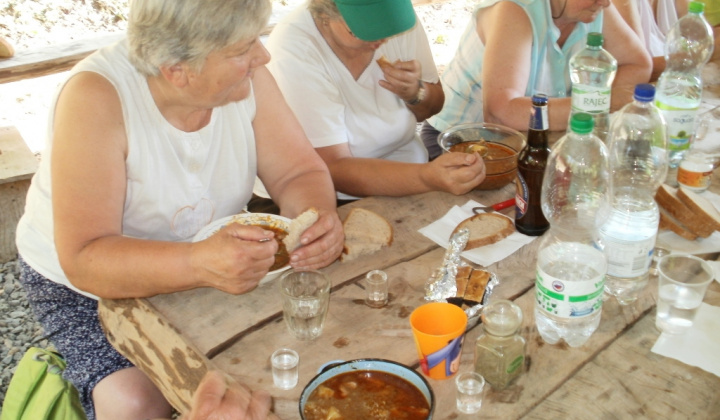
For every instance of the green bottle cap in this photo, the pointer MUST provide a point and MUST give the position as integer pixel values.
(595, 39)
(582, 123)
(696, 7)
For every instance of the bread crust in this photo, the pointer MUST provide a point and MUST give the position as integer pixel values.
(384, 63)
(668, 222)
(298, 226)
(701, 207)
(503, 227)
(477, 283)
(667, 198)
(365, 236)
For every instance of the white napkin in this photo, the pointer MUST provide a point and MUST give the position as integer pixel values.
(439, 231)
(699, 346)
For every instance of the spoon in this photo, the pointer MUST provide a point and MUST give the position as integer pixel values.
(495, 207)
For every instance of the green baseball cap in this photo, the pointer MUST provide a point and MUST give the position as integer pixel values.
(371, 20)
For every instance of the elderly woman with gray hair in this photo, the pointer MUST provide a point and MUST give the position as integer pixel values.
(152, 139)
(360, 116)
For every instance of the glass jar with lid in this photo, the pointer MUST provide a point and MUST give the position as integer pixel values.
(500, 350)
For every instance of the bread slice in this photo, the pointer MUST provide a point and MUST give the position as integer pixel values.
(298, 226)
(461, 279)
(669, 222)
(667, 198)
(366, 232)
(477, 283)
(384, 63)
(701, 206)
(485, 229)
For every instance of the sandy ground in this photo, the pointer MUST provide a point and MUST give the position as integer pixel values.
(29, 24)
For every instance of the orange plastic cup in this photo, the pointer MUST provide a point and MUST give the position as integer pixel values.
(439, 330)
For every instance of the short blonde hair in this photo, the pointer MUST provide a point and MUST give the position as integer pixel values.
(168, 32)
(320, 9)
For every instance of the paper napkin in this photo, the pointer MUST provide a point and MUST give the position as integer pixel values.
(439, 231)
(699, 346)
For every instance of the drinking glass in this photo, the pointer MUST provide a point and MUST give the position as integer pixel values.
(305, 300)
(470, 387)
(682, 282)
(376, 287)
(285, 368)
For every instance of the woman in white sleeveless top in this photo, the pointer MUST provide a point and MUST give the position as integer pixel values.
(151, 139)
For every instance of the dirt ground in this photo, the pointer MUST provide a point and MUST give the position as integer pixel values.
(32, 24)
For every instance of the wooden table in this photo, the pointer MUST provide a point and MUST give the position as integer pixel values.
(175, 338)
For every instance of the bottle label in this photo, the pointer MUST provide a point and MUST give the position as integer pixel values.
(515, 364)
(628, 259)
(522, 195)
(691, 178)
(569, 299)
(680, 126)
(590, 99)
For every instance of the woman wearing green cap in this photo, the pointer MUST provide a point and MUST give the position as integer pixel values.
(512, 49)
(361, 118)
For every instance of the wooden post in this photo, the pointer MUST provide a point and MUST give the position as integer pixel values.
(17, 167)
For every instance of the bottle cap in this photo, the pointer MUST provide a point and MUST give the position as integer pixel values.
(696, 7)
(539, 99)
(582, 123)
(595, 39)
(501, 317)
(644, 92)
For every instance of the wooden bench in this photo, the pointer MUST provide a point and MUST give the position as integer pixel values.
(17, 167)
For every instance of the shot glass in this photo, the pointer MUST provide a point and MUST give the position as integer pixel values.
(376, 287)
(305, 300)
(682, 283)
(285, 368)
(470, 390)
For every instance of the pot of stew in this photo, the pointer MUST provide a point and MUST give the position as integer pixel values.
(367, 389)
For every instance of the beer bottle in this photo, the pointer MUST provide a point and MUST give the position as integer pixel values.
(529, 218)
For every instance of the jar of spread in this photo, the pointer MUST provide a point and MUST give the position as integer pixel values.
(500, 350)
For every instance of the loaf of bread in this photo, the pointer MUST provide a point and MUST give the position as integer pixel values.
(366, 232)
(485, 229)
(686, 213)
(692, 220)
(297, 226)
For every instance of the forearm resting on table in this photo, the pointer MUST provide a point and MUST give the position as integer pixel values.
(362, 177)
(117, 267)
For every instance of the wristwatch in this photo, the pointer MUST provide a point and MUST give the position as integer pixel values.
(422, 92)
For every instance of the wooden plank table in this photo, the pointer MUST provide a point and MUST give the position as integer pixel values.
(175, 338)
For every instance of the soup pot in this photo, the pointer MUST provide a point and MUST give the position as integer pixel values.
(381, 365)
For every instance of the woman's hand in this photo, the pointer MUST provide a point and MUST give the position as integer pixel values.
(403, 79)
(322, 242)
(219, 397)
(456, 173)
(235, 258)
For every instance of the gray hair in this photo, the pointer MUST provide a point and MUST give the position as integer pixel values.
(327, 9)
(168, 32)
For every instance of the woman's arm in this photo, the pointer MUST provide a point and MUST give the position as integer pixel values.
(634, 62)
(294, 174)
(89, 187)
(505, 29)
(403, 80)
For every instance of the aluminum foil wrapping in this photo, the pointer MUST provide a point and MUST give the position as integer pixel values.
(441, 283)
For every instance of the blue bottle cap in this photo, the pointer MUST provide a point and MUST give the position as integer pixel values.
(644, 92)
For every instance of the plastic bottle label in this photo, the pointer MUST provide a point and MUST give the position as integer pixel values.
(627, 259)
(680, 126)
(522, 195)
(693, 179)
(590, 99)
(572, 299)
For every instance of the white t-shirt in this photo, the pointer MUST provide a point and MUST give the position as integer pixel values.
(332, 106)
(177, 182)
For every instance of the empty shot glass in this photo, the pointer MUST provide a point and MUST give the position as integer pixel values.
(470, 390)
(285, 368)
(682, 283)
(376, 287)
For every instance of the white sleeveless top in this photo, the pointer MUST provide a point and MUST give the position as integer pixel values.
(177, 182)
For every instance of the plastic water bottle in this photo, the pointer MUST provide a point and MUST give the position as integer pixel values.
(592, 71)
(629, 220)
(570, 270)
(689, 45)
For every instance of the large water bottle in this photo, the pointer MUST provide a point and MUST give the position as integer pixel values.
(628, 221)
(689, 45)
(592, 71)
(570, 270)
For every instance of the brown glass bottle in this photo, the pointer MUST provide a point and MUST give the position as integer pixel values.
(529, 218)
